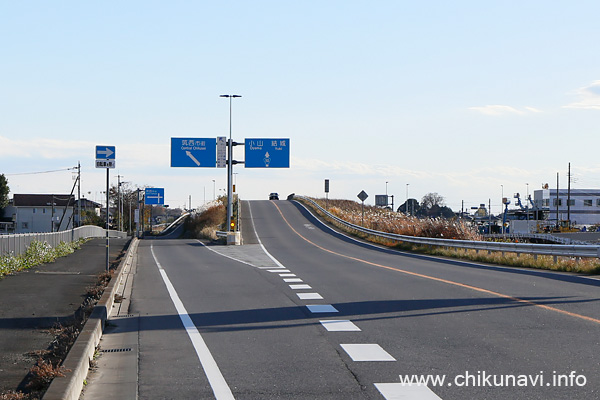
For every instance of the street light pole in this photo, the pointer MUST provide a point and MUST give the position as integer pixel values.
(229, 166)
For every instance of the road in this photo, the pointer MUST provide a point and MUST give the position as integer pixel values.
(322, 316)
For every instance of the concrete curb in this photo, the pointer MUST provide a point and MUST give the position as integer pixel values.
(78, 360)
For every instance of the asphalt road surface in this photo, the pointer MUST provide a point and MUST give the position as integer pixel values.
(325, 317)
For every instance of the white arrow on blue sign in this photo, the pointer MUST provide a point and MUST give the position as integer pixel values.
(193, 152)
(154, 196)
(105, 152)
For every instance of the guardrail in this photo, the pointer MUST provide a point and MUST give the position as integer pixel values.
(540, 236)
(556, 250)
(18, 243)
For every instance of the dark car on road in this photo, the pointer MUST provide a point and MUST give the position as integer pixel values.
(273, 196)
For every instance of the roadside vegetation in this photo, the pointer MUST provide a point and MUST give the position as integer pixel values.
(209, 219)
(385, 220)
(37, 253)
(48, 362)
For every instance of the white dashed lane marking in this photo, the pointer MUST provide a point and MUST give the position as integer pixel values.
(321, 308)
(279, 270)
(367, 352)
(292, 280)
(297, 287)
(400, 391)
(339, 325)
(310, 296)
(287, 275)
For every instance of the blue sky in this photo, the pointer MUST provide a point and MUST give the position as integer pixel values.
(462, 98)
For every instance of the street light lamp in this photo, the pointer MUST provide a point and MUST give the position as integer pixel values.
(229, 165)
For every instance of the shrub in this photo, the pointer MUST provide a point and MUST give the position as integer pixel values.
(37, 253)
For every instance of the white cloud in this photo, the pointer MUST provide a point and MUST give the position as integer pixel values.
(44, 148)
(496, 110)
(589, 97)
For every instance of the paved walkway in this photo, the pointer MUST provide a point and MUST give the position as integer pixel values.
(34, 300)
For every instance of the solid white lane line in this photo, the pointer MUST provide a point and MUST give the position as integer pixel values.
(367, 352)
(404, 391)
(260, 242)
(309, 296)
(302, 286)
(290, 280)
(287, 275)
(321, 308)
(339, 325)
(278, 270)
(216, 380)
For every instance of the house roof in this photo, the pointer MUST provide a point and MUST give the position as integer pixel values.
(42, 200)
(87, 203)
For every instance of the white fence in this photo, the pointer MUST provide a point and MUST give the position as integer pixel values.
(17, 244)
(556, 250)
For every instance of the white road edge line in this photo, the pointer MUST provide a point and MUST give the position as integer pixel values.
(260, 242)
(216, 380)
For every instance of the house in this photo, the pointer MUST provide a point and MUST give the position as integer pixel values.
(40, 212)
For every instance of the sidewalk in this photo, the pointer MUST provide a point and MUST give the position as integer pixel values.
(36, 299)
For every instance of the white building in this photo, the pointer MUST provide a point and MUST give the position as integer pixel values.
(40, 212)
(583, 208)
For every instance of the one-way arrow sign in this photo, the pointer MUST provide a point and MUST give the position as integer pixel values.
(105, 152)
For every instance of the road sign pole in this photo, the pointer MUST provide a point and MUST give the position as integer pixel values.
(107, 218)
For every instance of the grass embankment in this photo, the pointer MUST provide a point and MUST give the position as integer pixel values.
(387, 221)
(37, 253)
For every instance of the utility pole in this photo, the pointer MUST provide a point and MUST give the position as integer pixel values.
(490, 217)
(557, 201)
(569, 197)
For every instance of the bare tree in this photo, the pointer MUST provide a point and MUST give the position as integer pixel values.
(432, 199)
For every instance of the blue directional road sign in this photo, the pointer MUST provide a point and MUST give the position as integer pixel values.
(105, 152)
(267, 153)
(193, 152)
(154, 196)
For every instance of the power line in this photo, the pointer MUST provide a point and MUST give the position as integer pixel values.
(41, 172)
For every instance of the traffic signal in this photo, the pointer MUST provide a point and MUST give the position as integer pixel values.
(232, 223)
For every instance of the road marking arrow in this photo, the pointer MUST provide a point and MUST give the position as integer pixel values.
(190, 155)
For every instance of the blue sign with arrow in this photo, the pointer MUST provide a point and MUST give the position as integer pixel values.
(105, 152)
(193, 152)
(267, 153)
(154, 196)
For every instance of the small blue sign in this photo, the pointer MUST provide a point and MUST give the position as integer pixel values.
(154, 196)
(193, 152)
(267, 153)
(105, 152)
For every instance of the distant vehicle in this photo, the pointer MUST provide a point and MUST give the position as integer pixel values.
(273, 196)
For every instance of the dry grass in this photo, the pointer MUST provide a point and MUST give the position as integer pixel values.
(387, 221)
(207, 223)
(12, 395)
(43, 372)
